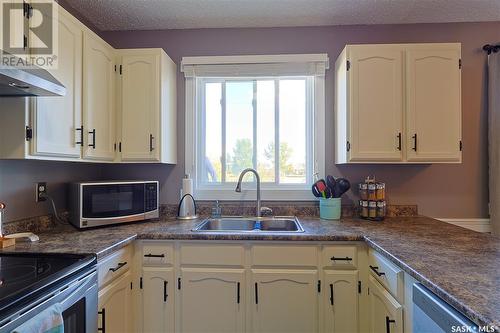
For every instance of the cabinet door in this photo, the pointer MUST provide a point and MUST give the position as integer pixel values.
(340, 301)
(284, 300)
(115, 315)
(376, 99)
(433, 104)
(385, 312)
(57, 120)
(140, 108)
(158, 289)
(212, 300)
(98, 99)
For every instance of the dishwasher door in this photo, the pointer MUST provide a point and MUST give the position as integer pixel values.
(433, 315)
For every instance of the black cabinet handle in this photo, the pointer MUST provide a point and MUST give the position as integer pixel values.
(331, 294)
(238, 293)
(149, 255)
(93, 139)
(103, 321)
(256, 293)
(388, 324)
(120, 265)
(399, 141)
(341, 259)
(81, 136)
(165, 295)
(375, 270)
(151, 138)
(414, 142)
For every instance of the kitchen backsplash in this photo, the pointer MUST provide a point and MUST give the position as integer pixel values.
(306, 208)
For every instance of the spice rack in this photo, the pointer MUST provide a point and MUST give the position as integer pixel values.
(372, 204)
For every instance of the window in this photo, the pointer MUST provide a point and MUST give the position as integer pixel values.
(266, 122)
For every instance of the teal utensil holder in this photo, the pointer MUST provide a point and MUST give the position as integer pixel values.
(330, 209)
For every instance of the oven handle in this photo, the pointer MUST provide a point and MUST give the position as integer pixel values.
(86, 282)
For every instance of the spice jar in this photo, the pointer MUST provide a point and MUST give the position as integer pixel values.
(363, 211)
(381, 209)
(372, 191)
(380, 191)
(363, 191)
(372, 209)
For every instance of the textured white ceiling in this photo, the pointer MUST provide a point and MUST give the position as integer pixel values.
(183, 14)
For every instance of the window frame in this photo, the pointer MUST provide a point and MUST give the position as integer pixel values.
(315, 113)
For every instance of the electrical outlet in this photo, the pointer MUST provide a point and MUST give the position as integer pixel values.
(40, 190)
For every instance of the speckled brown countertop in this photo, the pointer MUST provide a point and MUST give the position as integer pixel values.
(459, 265)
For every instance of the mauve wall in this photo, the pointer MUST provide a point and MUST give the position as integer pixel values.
(18, 178)
(439, 190)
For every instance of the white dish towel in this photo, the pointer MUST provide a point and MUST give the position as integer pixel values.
(49, 320)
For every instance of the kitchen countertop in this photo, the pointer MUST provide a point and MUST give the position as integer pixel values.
(459, 265)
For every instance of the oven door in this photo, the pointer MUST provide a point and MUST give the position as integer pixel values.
(78, 300)
(113, 201)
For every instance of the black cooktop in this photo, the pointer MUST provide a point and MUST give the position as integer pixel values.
(22, 275)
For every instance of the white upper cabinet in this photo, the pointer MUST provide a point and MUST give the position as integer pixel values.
(57, 120)
(376, 100)
(147, 106)
(398, 103)
(433, 93)
(98, 98)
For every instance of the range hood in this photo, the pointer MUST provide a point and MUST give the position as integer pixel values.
(29, 82)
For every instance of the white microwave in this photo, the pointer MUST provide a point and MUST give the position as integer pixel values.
(95, 204)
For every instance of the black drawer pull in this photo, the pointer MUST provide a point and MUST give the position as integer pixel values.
(103, 321)
(341, 259)
(120, 265)
(93, 139)
(388, 324)
(375, 270)
(238, 293)
(149, 255)
(399, 141)
(256, 293)
(81, 136)
(414, 142)
(165, 295)
(331, 294)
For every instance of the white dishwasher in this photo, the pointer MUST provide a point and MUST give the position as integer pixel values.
(433, 315)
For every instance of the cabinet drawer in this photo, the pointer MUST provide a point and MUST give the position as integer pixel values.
(388, 274)
(157, 254)
(340, 256)
(282, 255)
(216, 254)
(114, 265)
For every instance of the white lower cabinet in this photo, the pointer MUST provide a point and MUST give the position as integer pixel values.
(217, 287)
(115, 315)
(212, 300)
(340, 301)
(158, 290)
(284, 300)
(386, 314)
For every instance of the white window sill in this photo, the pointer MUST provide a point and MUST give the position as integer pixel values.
(250, 194)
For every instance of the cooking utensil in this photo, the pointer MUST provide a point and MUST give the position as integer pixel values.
(319, 189)
(330, 182)
(342, 185)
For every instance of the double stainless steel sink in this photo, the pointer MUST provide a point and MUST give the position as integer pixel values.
(251, 224)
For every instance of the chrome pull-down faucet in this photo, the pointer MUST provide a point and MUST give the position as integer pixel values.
(257, 177)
